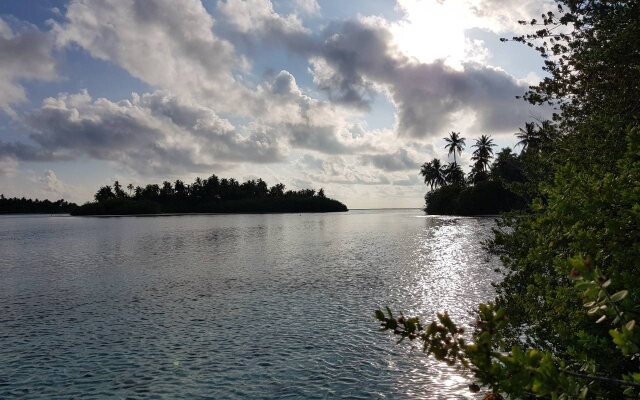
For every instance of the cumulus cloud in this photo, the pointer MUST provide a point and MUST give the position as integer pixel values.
(27, 152)
(503, 16)
(251, 15)
(410, 180)
(307, 6)
(255, 22)
(168, 46)
(306, 122)
(351, 170)
(175, 49)
(310, 162)
(26, 55)
(354, 59)
(51, 183)
(152, 133)
(401, 160)
(359, 54)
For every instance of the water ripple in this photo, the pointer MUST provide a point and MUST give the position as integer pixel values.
(247, 306)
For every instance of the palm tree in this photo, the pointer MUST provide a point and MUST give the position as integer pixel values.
(483, 152)
(130, 188)
(478, 173)
(433, 173)
(455, 144)
(529, 137)
(453, 174)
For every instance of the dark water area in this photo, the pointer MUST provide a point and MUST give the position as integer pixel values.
(232, 306)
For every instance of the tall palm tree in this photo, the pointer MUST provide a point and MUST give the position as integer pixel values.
(484, 151)
(455, 144)
(529, 137)
(433, 173)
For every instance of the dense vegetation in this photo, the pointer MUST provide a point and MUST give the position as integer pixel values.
(28, 206)
(564, 322)
(489, 187)
(212, 195)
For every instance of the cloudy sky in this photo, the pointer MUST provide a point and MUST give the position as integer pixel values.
(349, 95)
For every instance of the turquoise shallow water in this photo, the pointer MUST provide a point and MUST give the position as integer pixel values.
(231, 306)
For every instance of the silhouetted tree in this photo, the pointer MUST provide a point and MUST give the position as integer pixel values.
(507, 167)
(478, 173)
(529, 137)
(104, 194)
(453, 174)
(166, 192)
(210, 195)
(455, 144)
(151, 192)
(180, 189)
(433, 173)
(483, 153)
(277, 190)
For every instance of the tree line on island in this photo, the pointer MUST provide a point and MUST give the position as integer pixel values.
(15, 205)
(211, 195)
(496, 182)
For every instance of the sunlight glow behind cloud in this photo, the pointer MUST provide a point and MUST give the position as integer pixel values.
(433, 30)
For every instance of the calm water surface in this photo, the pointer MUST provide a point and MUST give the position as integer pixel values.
(231, 307)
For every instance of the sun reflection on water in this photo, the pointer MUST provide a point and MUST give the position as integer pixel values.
(451, 272)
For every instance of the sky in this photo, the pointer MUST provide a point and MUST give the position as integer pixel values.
(351, 96)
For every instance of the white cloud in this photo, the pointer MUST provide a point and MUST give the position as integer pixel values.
(51, 183)
(250, 15)
(26, 55)
(168, 46)
(152, 133)
(310, 7)
(359, 56)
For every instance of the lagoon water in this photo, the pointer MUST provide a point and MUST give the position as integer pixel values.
(231, 306)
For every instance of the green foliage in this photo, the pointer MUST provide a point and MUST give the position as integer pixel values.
(212, 195)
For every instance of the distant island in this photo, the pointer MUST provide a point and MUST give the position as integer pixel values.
(212, 195)
(22, 205)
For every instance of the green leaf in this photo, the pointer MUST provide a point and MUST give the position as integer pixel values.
(619, 295)
(630, 325)
(389, 312)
